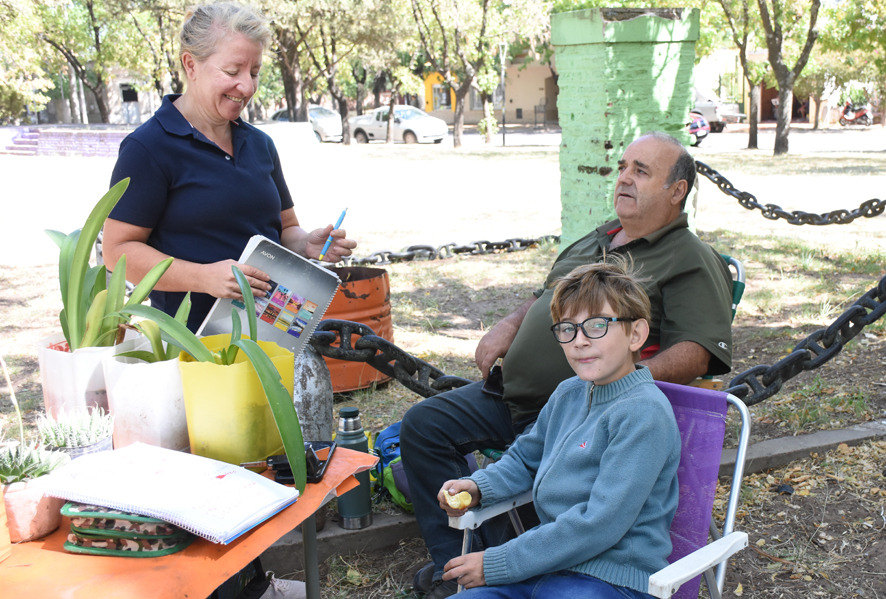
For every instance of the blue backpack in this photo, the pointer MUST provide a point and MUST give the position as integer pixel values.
(389, 474)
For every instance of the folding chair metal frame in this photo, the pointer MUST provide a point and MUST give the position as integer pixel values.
(696, 409)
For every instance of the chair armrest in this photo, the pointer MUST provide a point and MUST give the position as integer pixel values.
(472, 519)
(666, 581)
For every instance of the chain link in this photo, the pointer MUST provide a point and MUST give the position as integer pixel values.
(868, 209)
(761, 382)
(415, 374)
(449, 250)
(752, 386)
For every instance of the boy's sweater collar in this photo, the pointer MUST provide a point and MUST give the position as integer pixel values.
(606, 393)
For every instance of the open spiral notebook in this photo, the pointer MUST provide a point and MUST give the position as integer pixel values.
(212, 499)
(301, 291)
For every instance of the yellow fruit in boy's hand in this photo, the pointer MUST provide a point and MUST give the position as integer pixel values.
(459, 501)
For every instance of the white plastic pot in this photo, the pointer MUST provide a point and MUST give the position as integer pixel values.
(147, 402)
(75, 380)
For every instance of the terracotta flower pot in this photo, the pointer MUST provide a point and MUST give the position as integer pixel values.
(30, 514)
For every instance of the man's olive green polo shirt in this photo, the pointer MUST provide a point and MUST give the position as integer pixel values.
(689, 287)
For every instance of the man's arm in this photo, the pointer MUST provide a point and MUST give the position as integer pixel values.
(681, 363)
(497, 341)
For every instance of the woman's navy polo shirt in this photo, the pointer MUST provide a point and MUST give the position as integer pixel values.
(201, 204)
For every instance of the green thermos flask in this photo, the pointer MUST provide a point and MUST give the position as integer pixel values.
(355, 506)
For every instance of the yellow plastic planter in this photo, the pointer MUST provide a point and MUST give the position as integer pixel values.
(227, 413)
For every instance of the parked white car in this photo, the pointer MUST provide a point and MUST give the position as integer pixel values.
(411, 125)
(715, 112)
(325, 122)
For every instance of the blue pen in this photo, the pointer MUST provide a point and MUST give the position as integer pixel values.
(329, 240)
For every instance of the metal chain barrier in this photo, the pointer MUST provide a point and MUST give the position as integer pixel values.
(868, 209)
(449, 250)
(415, 374)
(752, 386)
(760, 382)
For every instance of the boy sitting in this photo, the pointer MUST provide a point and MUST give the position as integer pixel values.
(601, 460)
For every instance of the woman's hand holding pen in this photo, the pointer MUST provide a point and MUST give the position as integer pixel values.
(341, 246)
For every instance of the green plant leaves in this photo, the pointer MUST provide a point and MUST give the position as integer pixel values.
(248, 301)
(147, 283)
(282, 407)
(76, 259)
(172, 330)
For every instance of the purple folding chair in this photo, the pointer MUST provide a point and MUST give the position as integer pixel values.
(701, 418)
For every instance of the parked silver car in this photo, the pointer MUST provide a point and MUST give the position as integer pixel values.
(325, 122)
(715, 112)
(411, 125)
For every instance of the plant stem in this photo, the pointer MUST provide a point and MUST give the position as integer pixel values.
(18, 412)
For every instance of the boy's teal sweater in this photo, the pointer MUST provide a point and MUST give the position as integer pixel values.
(602, 466)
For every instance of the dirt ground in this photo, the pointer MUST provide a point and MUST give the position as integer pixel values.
(817, 526)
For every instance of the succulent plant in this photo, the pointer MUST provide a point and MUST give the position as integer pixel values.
(76, 428)
(20, 463)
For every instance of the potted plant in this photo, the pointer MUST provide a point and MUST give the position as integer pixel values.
(78, 432)
(144, 389)
(26, 512)
(70, 362)
(221, 377)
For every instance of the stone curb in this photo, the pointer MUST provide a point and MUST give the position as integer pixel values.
(386, 530)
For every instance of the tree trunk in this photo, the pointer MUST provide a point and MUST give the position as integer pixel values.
(101, 100)
(487, 118)
(458, 126)
(74, 98)
(817, 99)
(389, 137)
(377, 87)
(753, 116)
(783, 116)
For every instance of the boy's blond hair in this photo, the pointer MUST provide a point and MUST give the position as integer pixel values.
(612, 281)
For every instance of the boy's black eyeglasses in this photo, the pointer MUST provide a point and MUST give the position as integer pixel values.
(593, 328)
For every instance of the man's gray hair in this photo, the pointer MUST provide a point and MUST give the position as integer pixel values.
(684, 166)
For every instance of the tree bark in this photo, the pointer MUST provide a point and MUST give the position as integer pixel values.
(783, 119)
(753, 116)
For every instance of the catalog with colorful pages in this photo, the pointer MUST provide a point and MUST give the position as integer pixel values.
(212, 499)
(301, 291)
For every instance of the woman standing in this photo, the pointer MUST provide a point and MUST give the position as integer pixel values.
(202, 180)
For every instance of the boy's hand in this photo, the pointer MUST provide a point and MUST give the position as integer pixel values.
(466, 570)
(454, 505)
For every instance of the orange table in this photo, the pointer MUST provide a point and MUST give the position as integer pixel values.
(43, 569)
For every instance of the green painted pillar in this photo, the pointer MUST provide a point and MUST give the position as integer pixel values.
(622, 72)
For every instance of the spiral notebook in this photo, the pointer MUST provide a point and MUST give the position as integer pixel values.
(301, 291)
(212, 499)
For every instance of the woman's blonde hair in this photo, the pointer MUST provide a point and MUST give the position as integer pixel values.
(613, 281)
(205, 25)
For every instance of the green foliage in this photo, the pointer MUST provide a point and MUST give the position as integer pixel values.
(89, 317)
(279, 398)
(488, 124)
(151, 331)
(12, 104)
(75, 429)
